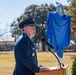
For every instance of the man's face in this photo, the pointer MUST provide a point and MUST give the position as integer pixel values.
(30, 31)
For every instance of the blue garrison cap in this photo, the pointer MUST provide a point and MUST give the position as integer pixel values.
(27, 22)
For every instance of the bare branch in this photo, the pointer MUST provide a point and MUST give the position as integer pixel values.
(5, 31)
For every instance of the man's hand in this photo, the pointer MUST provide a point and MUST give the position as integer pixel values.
(42, 68)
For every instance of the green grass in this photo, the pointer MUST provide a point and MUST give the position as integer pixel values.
(45, 58)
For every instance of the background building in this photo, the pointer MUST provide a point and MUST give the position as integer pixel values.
(6, 44)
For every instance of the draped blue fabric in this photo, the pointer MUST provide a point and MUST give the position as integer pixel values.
(58, 31)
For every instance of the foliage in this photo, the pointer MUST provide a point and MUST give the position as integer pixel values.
(72, 12)
(15, 31)
(40, 14)
(74, 66)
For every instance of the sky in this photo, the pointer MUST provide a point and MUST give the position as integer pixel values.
(10, 10)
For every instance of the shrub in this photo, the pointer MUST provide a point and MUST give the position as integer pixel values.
(74, 66)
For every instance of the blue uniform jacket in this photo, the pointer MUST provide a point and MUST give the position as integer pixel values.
(25, 56)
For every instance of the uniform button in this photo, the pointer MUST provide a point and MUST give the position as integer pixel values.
(33, 54)
(33, 48)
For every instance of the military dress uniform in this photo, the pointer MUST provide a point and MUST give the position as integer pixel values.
(25, 53)
(25, 56)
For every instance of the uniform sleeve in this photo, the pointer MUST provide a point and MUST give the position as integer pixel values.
(25, 57)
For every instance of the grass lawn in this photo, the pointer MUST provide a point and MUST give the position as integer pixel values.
(46, 58)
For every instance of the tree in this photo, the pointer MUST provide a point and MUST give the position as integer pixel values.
(74, 66)
(40, 15)
(72, 12)
(2, 33)
(15, 30)
(41, 18)
(4, 43)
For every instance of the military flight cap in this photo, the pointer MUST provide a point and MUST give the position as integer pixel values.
(27, 22)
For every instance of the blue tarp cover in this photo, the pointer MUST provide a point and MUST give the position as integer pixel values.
(58, 31)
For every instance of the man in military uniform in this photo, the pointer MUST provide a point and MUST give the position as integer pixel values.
(24, 51)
